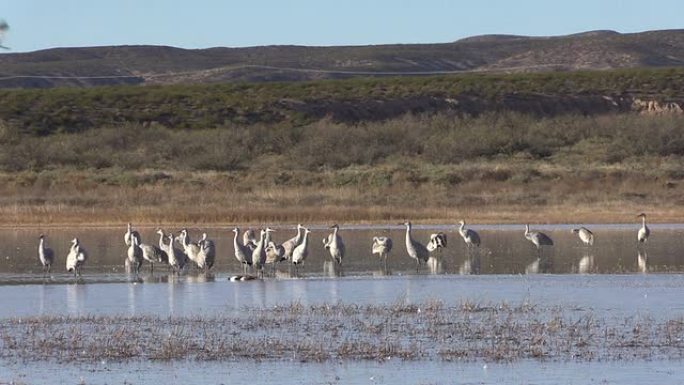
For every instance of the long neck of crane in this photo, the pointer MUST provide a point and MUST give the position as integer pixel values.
(262, 236)
(305, 240)
(161, 240)
(462, 228)
(171, 249)
(408, 234)
(643, 221)
(41, 245)
(235, 239)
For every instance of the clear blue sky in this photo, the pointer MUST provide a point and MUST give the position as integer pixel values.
(38, 24)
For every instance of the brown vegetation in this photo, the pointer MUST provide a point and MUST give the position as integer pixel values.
(294, 332)
(494, 168)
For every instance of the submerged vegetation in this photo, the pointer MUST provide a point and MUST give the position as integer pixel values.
(295, 332)
(311, 151)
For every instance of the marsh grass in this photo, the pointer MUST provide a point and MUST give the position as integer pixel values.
(338, 332)
(487, 191)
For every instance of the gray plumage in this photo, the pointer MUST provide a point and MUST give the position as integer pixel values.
(470, 237)
(586, 236)
(274, 253)
(45, 255)
(177, 258)
(293, 242)
(76, 257)
(415, 249)
(129, 234)
(153, 254)
(134, 257)
(242, 253)
(382, 246)
(192, 250)
(437, 241)
(259, 253)
(249, 239)
(164, 257)
(644, 232)
(539, 239)
(334, 244)
(300, 252)
(207, 254)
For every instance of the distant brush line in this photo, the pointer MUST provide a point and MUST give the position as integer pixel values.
(67, 77)
(235, 68)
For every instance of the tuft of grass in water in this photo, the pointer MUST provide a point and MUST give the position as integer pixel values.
(342, 331)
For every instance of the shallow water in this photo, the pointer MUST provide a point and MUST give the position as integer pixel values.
(659, 296)
(504, 251)
(390, 372)
(609, 280)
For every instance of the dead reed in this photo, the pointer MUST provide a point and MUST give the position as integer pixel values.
(296, 332)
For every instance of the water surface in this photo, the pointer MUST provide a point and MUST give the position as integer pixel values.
(504, 250)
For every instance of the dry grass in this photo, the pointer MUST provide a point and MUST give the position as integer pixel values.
(484, 192)
(426, 331)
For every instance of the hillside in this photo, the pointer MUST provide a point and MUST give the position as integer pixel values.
(91, 66)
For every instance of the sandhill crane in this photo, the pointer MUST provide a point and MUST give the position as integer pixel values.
(334, 244)
(134, 257)
(76, 258)
(644, 231)
(470, 237)
(437, 241)
(242, 253)
(300, 252)
(415, 249)
(207, 253)
(249, 239)
(382, 246)
(177, 258)
(274, 253)
(291, 243)
(586, 236)
(163, 247)
(129, 234)
(154, 254)
(45, 254)
(192, 250)
(259, 253)
(539, 239)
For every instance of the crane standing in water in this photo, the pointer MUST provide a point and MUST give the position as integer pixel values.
(586, 236)
(415, 249)
(538, 238)
(644, 231)
(45, 254)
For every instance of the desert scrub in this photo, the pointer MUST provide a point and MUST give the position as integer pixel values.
(72, 110)
(441, 139)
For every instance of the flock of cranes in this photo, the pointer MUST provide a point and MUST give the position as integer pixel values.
(254, 252)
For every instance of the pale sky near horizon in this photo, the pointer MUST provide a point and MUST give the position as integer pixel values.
(40, 24)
